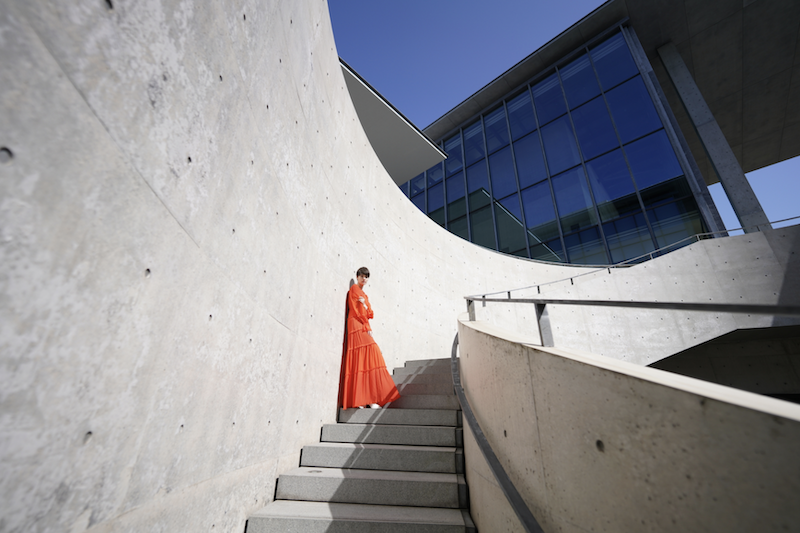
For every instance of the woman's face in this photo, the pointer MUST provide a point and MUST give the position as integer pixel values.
(362, 280)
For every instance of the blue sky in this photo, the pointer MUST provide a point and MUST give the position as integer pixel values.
(427, 56)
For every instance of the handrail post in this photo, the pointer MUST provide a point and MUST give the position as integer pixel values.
(471, 309)
(543, 323)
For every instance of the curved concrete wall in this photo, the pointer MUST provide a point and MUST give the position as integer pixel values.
(189, 195)
(596, 444)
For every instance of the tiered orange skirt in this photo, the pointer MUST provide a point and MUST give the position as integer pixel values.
(365, 379)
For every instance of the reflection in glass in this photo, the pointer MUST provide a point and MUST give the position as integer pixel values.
(612, 185)
(613, 61)
(559, 145)
(435, 174)
(436, 203)
(404, 188)
(540, 215)
(453, 149)
(419, 201)
(510, 230)
(417, 184)
(574, 200)
(477, 179)
(586, 247)
(548, 99)
(652, 160)
(666, 191)
(633, 110)
(482, 228)
(549, 251)
(456, 201)
(501, 170)
(496, 129)
(459, 227)
(580, 83)
(675, 221)
(530, 161)
(628, 237)
(473, 142)
(593, 126)
(520, 115)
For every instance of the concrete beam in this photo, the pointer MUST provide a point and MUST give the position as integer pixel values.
(745, 204)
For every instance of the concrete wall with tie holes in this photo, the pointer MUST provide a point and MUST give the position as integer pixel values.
(185, 194)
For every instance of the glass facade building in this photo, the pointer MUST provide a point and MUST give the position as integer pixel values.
(576, 166)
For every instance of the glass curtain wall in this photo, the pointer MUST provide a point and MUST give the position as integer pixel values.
(576, 167)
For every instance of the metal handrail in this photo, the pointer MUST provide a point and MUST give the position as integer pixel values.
(697, 237)
(513, 496)
(546, 335)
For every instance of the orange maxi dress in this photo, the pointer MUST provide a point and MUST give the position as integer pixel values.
(365, 379)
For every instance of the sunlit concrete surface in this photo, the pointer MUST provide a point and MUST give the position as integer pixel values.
(596, 444)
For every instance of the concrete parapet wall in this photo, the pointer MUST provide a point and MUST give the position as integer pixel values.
(758, 268)
(595, 444)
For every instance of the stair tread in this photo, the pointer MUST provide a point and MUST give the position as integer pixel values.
(388, 447)
(384, 475)
(360, 512)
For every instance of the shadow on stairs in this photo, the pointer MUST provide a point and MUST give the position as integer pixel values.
(397, 469)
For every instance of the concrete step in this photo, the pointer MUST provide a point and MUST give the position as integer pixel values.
(402, 417)
(374, 487)
(435, 369)
(442, 459)
(422, 378)
(391, 434)
(322, 517)
(425, 388)
(427, 401)
(415, 363)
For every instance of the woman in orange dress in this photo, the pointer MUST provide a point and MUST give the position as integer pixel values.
(365, 380)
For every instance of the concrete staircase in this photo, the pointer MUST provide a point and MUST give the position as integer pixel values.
(397, 469)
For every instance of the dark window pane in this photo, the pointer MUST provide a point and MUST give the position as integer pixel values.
(502, 171)
(435, 174)
(628, 237)
(574, 200)
(510, 231)
(548, 99)
(520, 115)
(478, 186)
(586, 248)
(453, 149)
(436, 202)
(417, 184)
(549, 251)
(456, 202)
(419, 201)
(633, 110)
(652, 160)
(496, 129)
(580, 83)
(530, 162)
(666, 191)
(594, 129)
(473, 142)
(612, 185)
(613, 61)
(482, 228)
(459, 227)
(404, 188)
(559, 146)
(675, 221)
(540, 216)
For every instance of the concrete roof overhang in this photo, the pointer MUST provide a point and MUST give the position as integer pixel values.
(404, 150)
(743, 54)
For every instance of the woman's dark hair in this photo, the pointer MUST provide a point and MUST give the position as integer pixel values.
(363, 271)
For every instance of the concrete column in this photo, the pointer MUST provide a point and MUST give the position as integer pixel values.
(745, 204)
